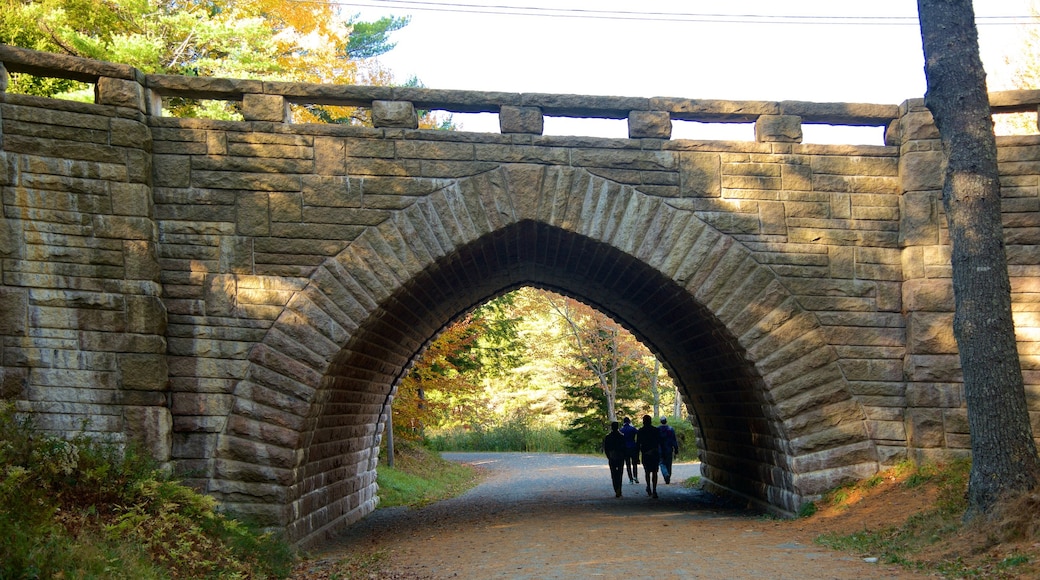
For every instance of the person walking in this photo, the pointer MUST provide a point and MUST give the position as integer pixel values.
(614, 447)
(648, 438)
(631, 451)
(669, 447)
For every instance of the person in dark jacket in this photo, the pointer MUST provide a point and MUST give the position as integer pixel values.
(614, 447)
(669, 447)
(632, 452)
(648, 438)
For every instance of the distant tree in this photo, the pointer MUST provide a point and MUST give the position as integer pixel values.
(1019, 71)
(606, 373)
(1004, 454)
(446, 386)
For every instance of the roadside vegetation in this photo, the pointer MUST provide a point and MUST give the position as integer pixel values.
(87, 509)
(934, 538)
(420, 476)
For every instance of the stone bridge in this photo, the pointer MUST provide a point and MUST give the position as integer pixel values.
(243, 296)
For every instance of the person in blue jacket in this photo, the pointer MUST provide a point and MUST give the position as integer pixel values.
(631, 451)
(669, 447)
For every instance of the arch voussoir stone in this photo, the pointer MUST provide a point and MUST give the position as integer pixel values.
(719, 280)
(633, 222)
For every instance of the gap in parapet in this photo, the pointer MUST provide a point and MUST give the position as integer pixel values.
(693, 130)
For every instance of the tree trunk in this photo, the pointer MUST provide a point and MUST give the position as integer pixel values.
(1004, 454)
(654, 388)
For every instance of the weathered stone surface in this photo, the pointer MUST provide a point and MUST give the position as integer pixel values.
(649, 125)
(917, 125)
(127, 133)
(921, 171)
(273, 108)
(152, 428)
(172, 170)
(931, 333)
(524, 120)
(120, 93)
(394, 114)
(935, 295)
(13, 311)
(778, 129)
(924, 428)
(700, 174)
(143, 371)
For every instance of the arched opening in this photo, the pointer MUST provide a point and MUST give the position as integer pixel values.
(776, 421)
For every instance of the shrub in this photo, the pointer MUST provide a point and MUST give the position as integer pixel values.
(87, 508)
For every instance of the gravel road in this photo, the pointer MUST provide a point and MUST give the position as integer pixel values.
(555, 516)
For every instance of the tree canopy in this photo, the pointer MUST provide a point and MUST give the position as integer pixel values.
(533, 355)
(251, 39)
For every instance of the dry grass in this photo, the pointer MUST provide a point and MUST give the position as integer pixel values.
(913, 516)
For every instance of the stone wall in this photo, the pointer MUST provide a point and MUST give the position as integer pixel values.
(81, 313)
(243, 296)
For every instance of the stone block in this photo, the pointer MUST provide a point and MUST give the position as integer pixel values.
(236, 255)
(941, 368)
(172, 170)
(887, 430)
(120, 93)
(127, 133)
(956, 421)
(190, 404)
(928, 295)
(394, 114)
(221, 295)
(890, 455)
(524, 120)
(14, 313)
(649, 125)
(778, 129)
(143, 371)
(138, 166)
(930, 333)
(146, 315)
(125, 227)
(700, 174)
(329, 156)
(917, 125)
(13, 382)
(5, 79)
(140, 260)
(152, 429)
(924, 428)
(935, 395)
(921, 171)
(272, 108)
(134, 199)
(252, 216)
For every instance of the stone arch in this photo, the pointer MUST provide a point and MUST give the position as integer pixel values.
(777, 423)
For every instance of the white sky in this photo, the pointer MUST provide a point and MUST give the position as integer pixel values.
(678, 56)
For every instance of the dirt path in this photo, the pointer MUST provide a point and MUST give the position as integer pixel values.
(555, 516)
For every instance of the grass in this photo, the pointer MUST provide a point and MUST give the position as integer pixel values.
(937, 540)
(87, 509)
(420, 477)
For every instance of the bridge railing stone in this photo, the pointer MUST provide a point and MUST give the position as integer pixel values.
(519, 113)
